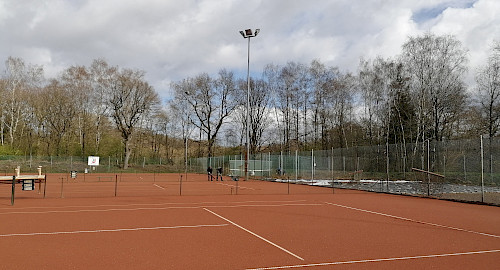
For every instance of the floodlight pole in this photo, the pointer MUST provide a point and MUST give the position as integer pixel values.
(186, 136)
(248, 34)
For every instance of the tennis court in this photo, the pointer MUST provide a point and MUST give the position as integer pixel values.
(266, 225)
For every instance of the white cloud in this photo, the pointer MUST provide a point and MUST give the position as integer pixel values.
(172, 40)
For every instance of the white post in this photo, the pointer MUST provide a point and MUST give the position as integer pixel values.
(269, 165)
(296, 165)
(281, 163)
(312, 165)
(333, 177)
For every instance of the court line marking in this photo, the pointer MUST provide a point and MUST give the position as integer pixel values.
(239, 187)
(256, 235)
(158, 186)
(378, 260)
(113, 230)
(158, 208)
(414, 220)
(143, 204)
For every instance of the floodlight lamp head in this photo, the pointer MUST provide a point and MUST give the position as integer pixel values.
(248, 33)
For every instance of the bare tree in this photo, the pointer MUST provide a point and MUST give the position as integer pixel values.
(488, 86)
(130, 98)
(210, 100)
(76, 80)
(339, 97)
(373, 85)
(102, 77)
(259, 110)
(57, 108)
(437, 65)
(19, 79)
(289, 86)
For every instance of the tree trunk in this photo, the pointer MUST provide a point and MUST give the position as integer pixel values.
(128, 151)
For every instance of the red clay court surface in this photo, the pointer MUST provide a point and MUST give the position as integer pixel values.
(265, 226)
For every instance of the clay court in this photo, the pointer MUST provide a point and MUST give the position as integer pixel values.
(157, 221)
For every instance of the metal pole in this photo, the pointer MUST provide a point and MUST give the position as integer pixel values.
(312, 166)
(333, 177)
(44, 186)
(296, 165)
(248, 113)
(116, 183)
(428, 169)
(482, 170)
(186, 156)
(269, 165)
(13, 195)
(180, 187)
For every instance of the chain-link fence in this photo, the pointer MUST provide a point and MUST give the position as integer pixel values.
(461, 169)
(53, 164)
(466, 170)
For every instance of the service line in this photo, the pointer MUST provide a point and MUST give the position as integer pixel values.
(113, 230)
(377, 260)
(158, 186)
(144, 204)
(414, 220)
(156, 208)
(256, 235)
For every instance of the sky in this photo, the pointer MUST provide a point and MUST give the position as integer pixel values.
(172, 40)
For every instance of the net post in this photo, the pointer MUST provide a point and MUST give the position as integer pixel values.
(12, 197)
(44, 186)
(180, 186)
(116, 183)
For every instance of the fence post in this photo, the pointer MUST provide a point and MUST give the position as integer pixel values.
(269, 164)
(482, 170)
(296, 165)
(312, 166)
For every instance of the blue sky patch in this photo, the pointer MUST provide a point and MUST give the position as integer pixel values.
(429, 13)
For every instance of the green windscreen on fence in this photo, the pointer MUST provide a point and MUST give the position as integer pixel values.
(255, 167)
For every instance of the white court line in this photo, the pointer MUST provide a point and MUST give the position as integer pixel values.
(414, 220)
(377, 260)
(142, 204)
(112, 230)
(266, 205)
(158, 186)
(239, 187)
(256, 235)
(154, 208)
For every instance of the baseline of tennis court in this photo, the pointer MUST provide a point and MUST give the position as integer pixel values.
(354, 230)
